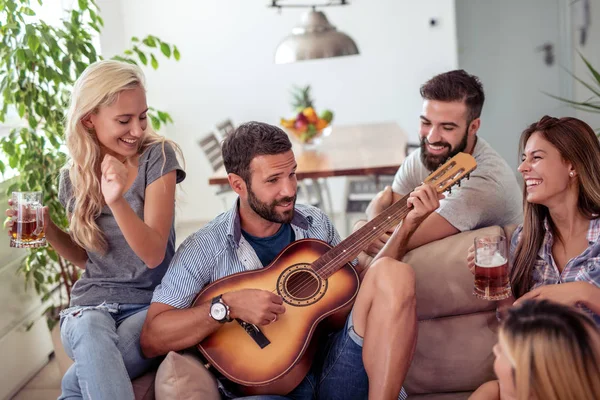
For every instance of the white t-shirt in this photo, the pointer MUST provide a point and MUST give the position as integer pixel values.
(490, 197)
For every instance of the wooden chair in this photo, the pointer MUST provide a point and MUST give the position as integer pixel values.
(225, 128)
(362, 189)
(211, 147)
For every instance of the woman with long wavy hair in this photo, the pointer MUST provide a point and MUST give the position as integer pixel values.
(555, 253)
(546, 351)
(119, 191)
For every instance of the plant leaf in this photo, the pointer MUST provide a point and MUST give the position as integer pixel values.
(27, 11)
(149, 41)
(575, 103)
(141, 56)
(592, 70)
(166, 49)
(33, 42)
(155, 122)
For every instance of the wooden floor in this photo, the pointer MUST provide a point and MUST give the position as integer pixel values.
(44, 386)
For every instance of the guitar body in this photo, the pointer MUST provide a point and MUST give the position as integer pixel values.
(279, 366)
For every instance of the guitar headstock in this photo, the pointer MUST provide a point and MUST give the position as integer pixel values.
(452, 172)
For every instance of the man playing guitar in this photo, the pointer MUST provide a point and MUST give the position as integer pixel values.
(370, 356)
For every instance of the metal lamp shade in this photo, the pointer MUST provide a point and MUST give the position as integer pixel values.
(314, 38)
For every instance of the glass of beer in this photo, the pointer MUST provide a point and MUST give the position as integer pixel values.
(28, 223)
(491, 268)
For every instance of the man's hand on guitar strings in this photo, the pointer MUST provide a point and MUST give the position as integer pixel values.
(255, 306)
(422, 201)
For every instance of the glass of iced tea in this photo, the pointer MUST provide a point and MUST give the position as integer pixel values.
(491, 268)
(28, 223)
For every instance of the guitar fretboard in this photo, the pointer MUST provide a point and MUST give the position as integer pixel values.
(351, 247)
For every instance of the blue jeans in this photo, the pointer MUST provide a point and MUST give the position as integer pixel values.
(337, 373)
(104, 342)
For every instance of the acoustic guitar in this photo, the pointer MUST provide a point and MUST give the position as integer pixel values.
(317, 284)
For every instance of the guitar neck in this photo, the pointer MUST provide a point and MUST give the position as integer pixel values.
(442, 179)
(351, 247)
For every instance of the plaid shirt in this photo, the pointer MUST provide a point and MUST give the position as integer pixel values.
(585, 267)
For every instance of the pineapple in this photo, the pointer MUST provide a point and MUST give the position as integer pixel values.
(301, 98)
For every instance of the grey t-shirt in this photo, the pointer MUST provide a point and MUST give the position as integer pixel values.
(490, 197)
(120, 276)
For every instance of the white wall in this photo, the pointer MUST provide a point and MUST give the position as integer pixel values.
(227, 68)
(591, 51)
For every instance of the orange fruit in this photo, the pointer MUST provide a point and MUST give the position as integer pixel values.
(321, 124)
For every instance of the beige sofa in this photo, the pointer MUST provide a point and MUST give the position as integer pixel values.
(456, 330)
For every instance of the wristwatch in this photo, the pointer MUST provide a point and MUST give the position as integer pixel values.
(219, 311)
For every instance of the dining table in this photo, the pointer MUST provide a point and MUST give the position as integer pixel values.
(348, 150)
(367, 149)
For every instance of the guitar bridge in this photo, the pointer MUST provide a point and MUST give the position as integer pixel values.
(255, 333)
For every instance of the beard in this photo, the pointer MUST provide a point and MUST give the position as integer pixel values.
(433, 161)
(267, 211)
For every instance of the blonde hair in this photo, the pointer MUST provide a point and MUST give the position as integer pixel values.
(554, 351)
(98, 86)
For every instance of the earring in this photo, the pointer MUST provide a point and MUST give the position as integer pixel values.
(571, 174)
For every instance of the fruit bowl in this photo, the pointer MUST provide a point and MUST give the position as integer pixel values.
(307, 137)
(308, 128)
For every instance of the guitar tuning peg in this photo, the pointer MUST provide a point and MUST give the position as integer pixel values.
(458, 183)
(468, 176)
(449, 190)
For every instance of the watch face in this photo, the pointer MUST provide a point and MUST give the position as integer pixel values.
(218, 311)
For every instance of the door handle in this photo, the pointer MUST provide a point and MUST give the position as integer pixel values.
(548, 50)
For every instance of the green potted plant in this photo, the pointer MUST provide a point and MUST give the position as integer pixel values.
(592, 104)
(38, 66)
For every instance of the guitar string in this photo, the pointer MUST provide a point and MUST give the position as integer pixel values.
(373, 233)
(359, 244)
(332, 264)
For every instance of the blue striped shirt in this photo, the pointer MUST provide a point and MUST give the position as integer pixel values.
(219, 249)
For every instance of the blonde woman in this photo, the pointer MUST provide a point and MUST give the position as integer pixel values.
(119, 191)
(545, 351)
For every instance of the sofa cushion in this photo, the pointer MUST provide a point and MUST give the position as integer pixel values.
(184, 377)
(456, 330)
(453, 354)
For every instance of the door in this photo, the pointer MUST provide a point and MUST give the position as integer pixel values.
(519, 49)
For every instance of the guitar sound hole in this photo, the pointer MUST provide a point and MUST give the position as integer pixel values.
(302, 285)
